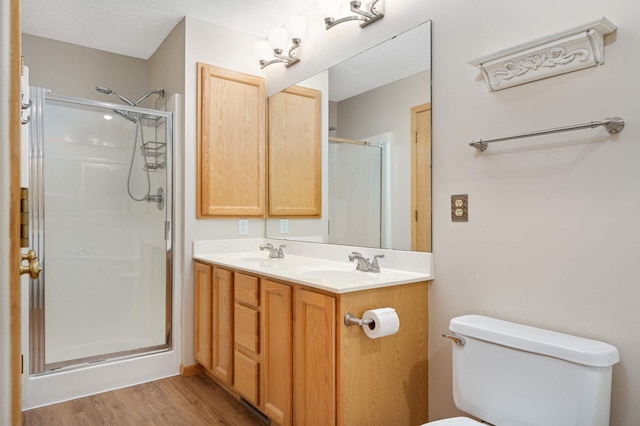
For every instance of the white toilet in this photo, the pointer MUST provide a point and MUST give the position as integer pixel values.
(510, 374)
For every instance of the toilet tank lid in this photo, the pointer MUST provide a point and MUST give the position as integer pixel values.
(536, 340)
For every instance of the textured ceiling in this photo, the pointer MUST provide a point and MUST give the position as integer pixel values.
(137, 27)
(403, 55)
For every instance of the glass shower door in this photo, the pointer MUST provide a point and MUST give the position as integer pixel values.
(355, 194)
(100, 203)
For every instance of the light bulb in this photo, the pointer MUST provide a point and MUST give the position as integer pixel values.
(263, 50)
(278, 38)
(297, 26)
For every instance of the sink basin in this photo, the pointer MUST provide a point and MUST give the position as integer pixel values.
(338, 275)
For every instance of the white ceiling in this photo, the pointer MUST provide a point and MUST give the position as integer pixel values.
(137, 27)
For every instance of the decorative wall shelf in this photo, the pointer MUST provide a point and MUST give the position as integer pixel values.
(571, 50)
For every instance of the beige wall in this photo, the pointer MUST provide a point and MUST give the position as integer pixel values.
(553, 239)
(72, 70)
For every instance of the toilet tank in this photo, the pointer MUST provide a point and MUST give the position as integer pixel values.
(510, 374)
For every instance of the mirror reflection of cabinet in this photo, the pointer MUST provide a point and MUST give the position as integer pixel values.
(295, 153)
(231, 143)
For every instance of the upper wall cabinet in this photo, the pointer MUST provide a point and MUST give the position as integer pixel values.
(295, 156)
(231, 143)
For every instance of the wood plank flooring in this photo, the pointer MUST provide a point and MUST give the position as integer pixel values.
(175, 401)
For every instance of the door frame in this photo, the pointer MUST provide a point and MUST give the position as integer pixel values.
(424, 214)
(10, 118)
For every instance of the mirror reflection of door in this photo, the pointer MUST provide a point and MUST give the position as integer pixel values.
(421, 178)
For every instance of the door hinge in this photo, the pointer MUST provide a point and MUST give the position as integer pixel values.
(167, 230)
(416, 214)
(21, 364)
(24, 217)
(415, 139)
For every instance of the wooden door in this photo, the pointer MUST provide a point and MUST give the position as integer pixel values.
(314, 359)
(231, 143)
(223, 325)
(277, 352)
(203, 337)
(421, 178)
(295, 153)
(10, 131)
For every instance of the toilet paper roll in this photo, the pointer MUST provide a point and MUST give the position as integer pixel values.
(385, 322)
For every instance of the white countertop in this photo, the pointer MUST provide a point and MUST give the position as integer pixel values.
(329, 275)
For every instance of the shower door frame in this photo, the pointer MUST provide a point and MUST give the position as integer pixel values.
(37, 364)
(382, 142)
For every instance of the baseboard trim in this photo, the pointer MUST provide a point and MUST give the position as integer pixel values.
(190, 370)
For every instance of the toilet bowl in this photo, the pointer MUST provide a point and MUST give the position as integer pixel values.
(454, 421)
(510, 374)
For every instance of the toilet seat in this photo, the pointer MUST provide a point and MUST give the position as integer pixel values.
(454, 421)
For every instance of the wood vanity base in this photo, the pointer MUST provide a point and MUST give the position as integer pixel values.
(296, 361)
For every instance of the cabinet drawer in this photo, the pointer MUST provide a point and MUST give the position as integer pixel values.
(247, 289)
(246, 328)
(247, 377)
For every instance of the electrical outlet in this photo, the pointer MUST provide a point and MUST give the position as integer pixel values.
(460, 208)
(243, 226)
(284, 226)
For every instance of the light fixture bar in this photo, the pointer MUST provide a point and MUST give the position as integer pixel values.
(368, 16)
(271, 51)
(287, 60)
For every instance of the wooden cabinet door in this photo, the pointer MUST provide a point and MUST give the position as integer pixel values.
(203, 315)
(277, 365)
(222, 362)
(314, 359)
(231, 143)
(295, 155)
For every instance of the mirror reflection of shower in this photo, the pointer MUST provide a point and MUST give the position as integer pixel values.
(153, 152)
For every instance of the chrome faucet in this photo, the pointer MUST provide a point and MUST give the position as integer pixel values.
(274, 253)
(364, 264)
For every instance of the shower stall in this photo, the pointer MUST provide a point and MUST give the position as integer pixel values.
(101, 189)
(359, 191)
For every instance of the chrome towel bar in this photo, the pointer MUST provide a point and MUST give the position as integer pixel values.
(613, 125)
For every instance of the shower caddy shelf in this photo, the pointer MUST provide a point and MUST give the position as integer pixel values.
(155, 154)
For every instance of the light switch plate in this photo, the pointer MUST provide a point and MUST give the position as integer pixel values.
(243, 226)
(460, 208)
(284, 226)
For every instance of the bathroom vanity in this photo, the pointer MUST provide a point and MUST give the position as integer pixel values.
(272, 332)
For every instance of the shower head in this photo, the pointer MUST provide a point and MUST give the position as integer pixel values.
(150, 92)
(125, 114)
(104, 90)
(107, 91)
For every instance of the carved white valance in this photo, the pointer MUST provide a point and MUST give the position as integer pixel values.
(571, 50)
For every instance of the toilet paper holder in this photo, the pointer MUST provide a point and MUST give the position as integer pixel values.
(350, 319)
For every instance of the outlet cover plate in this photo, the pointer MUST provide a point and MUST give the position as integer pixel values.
(460, 208)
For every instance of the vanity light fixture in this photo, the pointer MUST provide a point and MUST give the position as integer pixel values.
(368, 12)
(271, 51)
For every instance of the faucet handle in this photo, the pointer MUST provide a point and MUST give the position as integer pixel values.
(375, 266)
(279, 252)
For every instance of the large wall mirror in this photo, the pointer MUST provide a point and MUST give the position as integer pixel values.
(376, 148)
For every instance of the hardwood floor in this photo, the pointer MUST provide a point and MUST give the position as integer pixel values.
(174, 401)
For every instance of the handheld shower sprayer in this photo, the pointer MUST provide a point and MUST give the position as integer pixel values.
(107, 91)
